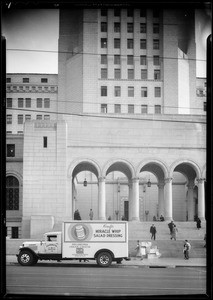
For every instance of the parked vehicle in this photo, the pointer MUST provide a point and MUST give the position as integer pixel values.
(103, 241)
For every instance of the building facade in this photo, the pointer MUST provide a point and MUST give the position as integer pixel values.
(127, 114)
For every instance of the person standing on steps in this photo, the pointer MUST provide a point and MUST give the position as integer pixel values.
(186, 249)
(139, 251)
(170, 225)
(174, 233)
(198, 221)
(153, 231)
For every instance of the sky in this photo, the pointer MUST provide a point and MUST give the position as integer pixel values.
(38, 29)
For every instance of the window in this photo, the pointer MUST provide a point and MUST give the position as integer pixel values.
(20, 132)
(157, 109)
(143, 91)
(144, 74)
(104, 73)
(129, 59)
(20, 102)
(130, 73)
(27, 88)
(129, 12)
(10, 150)
(143, 60)
(103, 59)
(142, 27)
(117, 43)
(39, 102)
(33, 88)
(104, 108)
(142, 13)
(103, 43)
(157, 92)
(14, 233)
(117, 73)
(155, 28)
(130, 44)
(46, 88)
(21, 88)
(8, 80)
(117, 12)
(52, 88)
(39, 117)
(44, 141)
(26, 80)
(156, 74)
(117, 108)
(20, 119)
(117, 91)
(103, 91)
(144, 109)
(130, 27)
(27, 117)
(9, 102)
(40, 88)
(46, 117)
(9, 119)
(117, 27)
(142, 44)
(46, 102)
(12, 193)
(44, 80)
(14, 88)
(130, 91)
(117, 59)
(103, 12)
(156, 60)
(130, 109)
(28, 102)
(156, 44)
(52, 238)
(103, 26)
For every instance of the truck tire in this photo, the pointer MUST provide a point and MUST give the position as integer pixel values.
(26, 258)
(104, 259)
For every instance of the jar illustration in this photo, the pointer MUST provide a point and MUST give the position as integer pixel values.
(80, 232)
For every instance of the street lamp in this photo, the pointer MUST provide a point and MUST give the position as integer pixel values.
(85, 182)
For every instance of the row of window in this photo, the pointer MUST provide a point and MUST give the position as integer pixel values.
(27, 80)
(131, 109)
(27, 88)
(21, 118)
(130, 27)
(130, 43)
(130, 74)
(130, 60)
(27, 102)
(130, 13)
(130, 91)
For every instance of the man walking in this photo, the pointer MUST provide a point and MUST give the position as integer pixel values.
(153, 231)
(186, 249)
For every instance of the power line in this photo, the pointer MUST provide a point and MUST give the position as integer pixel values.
(99, 54)
(107, 116)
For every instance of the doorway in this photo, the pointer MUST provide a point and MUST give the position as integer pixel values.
(126, 210)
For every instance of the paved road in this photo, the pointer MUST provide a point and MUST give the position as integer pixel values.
(89, 280)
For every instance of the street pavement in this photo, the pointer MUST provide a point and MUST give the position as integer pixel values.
(161, 262)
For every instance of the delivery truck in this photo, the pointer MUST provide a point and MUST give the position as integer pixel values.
(102, 241)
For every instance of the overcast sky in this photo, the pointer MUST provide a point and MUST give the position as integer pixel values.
(36, 29)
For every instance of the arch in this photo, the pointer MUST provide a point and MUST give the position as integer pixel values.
(120, 165)
(15, 174)
(203, 172)
(83, 164)
(157, 167)
(180, 166)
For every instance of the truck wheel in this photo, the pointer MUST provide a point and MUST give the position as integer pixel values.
(104, 259)
(26, 258)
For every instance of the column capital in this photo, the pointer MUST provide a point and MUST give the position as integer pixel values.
(168, 180)
(101, 179)
(161, 184)
(200, 180)
(135, 179)
(190, 185)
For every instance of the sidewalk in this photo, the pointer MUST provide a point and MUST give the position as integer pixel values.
(161, 262)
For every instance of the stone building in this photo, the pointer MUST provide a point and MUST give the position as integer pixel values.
(126, 115)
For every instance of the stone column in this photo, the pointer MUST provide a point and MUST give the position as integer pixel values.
(190, 202)
(69, 199)
(161, 198)
(135, 199)
(130, 200)
(168, 199)
(101, 199)
(201, 199)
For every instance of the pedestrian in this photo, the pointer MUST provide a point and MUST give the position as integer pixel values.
(174, 232)
(91, 214)
(139, 252)
(153, 231)
(186, 249)
(170, 225)
(161, 218)
(77, 215)
(198, 221)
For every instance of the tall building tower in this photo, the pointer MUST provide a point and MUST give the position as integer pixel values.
(127, 61)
